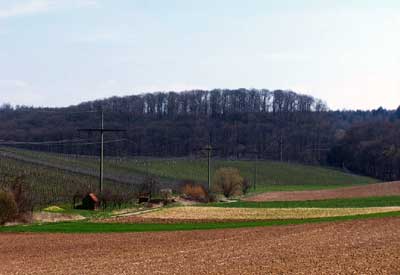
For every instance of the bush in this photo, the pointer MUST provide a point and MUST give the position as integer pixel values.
(8, 207)
(23, 199)
(112, 199)
(246, 185)
(150, 186)
(194, 191)
(166, 195)
(227, 181)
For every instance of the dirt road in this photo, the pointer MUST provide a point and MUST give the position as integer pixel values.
(370, 190)
(355, 247)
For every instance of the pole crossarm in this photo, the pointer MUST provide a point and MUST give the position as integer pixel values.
(101, 130)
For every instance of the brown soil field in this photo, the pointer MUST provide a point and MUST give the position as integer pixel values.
(370, 190)
(355, 247)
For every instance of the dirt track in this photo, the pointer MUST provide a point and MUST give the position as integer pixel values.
(356, 247)
(375, 190)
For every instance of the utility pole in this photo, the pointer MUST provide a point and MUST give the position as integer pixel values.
(255, 172)
(101, 130)
(101, 152)
(209, 151)
(255, 168)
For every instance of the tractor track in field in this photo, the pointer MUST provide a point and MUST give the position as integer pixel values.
(355, 247)
(363, 191)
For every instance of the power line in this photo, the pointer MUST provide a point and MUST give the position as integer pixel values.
(99, 142)
(64, 141)
(61, 143)
(61, 112)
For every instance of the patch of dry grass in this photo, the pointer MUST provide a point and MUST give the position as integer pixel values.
(55, 217)
(217, 213)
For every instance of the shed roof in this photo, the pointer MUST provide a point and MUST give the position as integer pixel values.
(93, 197)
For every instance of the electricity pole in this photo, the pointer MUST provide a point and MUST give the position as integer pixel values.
(255, 152)
(209, 151)
(255, 171)
(101, 130)
(101, 153)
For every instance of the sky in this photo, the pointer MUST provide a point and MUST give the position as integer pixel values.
(63, 52)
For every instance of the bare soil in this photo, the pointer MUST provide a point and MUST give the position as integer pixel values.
(355, 247)
(370, 190)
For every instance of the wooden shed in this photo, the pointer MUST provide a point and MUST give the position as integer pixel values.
(90, 202)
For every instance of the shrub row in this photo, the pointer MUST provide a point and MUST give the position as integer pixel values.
(16, 203)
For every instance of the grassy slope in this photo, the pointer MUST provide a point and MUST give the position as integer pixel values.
(272, 176)
(86, 227)
(332, 203)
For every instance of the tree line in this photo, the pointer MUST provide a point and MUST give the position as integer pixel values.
(213, 103)
(371, 148)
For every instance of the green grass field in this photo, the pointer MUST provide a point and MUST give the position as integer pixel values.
(272, 176)
(331, 203)
(87, 227)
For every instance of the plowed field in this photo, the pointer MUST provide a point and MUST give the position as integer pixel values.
(355, 247)
(370, 190)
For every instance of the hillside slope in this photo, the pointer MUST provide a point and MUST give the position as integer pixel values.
(270, 175)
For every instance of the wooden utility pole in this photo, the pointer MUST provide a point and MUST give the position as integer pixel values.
(255, 172)
(101, 152)
(209, 151)
(101, 130)
(255, 168)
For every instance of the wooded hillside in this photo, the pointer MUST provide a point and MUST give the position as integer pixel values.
(278, 125)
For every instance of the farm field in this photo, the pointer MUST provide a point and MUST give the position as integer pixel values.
(217, 213)
(353, 247)
(215, 216)
(329, 203)
(272, 176)
(371, 190)
(335, 213)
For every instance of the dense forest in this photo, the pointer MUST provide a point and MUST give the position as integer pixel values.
(371, 148)
(277, 125)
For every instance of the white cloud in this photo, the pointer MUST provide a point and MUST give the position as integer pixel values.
(41, 6)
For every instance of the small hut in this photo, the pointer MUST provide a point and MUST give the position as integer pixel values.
(90, 202)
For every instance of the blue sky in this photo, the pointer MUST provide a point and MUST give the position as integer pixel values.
(62, 52)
